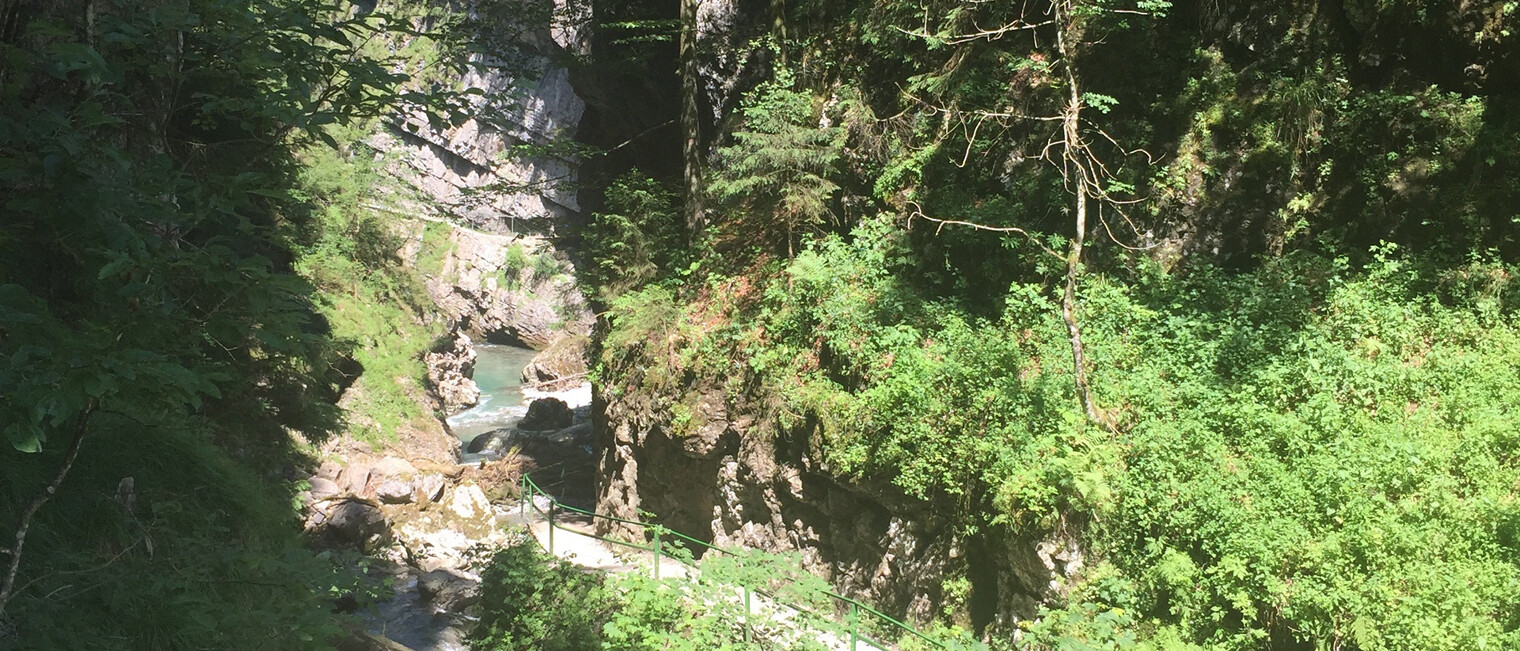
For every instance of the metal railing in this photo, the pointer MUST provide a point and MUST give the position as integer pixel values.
(856, 608)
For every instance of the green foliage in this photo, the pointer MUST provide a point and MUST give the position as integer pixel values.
(515, 263)
(1308, 453)
(436, 245)
(636, 240)
(778, 171)
(202, 556)
(151, 309)
(374, 303)
(1302, 435)
(672, 614)
(530, 600)
(1312, 443)
(534, 601)
(779, 575)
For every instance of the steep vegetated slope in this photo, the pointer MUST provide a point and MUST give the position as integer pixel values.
(192, 271)
(1084, 324)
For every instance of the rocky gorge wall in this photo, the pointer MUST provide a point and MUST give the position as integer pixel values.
(733, 479)
(725, 472)
(501, 169)
(490, 196)
(476, 208)
(488, 240)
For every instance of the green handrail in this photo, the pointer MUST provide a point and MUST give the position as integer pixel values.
(530, 488)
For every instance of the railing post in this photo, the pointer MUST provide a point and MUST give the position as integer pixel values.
(657, 553)
(523, 497)
(747, 633)
(854, 626)
(552, 504)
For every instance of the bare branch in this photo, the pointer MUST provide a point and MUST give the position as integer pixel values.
(1149, 159)
(1021, 116)
(9, 583)
(641, 134)
(1116, 240)
(981, 34)
(936, 109)
(918, 213)
(1132, 227)
(1083, 171)
(970, 140)
(1073, 155)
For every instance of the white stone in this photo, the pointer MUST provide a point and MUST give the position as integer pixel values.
(394, 467)
(469, 502)
(431, 486)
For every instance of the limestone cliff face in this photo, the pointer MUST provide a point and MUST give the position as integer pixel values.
(731, 480)
(470, 173)
(492, 192)
(508, 288)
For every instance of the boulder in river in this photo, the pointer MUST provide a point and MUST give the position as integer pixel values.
(448, 590)
(547, 414)
(559, 367)
(492, 442)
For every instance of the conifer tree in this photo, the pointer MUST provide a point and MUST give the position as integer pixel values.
(779, 164)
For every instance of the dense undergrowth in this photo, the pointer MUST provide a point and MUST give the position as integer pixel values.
(536, 601)
(532, 600)
(1295, 304)
(371, 298)
(1305, 452)
(187, 280)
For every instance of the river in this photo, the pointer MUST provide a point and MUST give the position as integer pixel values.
(498, 373)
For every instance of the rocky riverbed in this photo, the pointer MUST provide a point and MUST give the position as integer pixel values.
(423, 514)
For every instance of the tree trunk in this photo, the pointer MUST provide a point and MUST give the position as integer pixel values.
(778, 28)
(691, 121)
(1074, 165)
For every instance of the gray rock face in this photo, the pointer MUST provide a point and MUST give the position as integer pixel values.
(323, 488)
(559, 367)
(525, 98)
(349, 524)
(430, 487)
(354, 477)
(546, 414)
(719, 478)
(492, 442)
(394, 491)
(503, 204)
(449, 373)
(505, 288)
(390, 466)
(448, 590)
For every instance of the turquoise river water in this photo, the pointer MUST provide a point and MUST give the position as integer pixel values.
(498, 373)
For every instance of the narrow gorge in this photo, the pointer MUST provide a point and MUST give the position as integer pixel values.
(1062, 325)
(495, 242)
